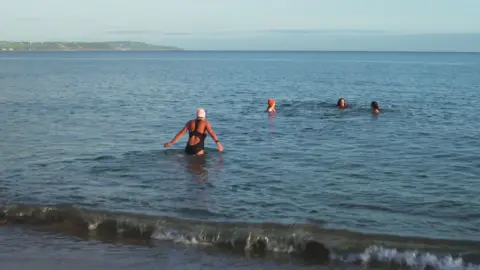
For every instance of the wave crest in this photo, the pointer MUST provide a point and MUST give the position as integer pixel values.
(307, 242)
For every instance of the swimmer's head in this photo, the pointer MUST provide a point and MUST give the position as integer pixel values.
(341, 103)
(201, 113)
(374, 105)
(271, 102)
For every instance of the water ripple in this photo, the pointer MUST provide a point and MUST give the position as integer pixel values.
(89, 132)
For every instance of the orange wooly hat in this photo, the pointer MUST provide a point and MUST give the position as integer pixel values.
(271, 102)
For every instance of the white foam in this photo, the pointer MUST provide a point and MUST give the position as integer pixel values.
(410, 259)
(170, 235)
(413, 259)
(47, 209)
(92, 226)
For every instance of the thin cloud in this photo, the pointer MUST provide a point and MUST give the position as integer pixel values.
(323, 31)
(178, 34)
(130, 32)
(239, 33)
(147, 32)
(257, 32)
(28, 19)
(297, 31)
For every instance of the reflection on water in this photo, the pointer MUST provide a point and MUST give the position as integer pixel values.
(196, 166)
(271, 123)
(202, 170)
(199, 167)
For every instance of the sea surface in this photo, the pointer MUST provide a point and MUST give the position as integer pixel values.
(85, 182)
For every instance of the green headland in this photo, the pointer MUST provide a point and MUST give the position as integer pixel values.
(83, 46)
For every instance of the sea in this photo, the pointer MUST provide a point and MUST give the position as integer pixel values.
(86, 183)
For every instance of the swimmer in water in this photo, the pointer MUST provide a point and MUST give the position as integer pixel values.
(341, 104)
(197, 129)
(375, 107)
(271, 105)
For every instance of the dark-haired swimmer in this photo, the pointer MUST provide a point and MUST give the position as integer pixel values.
(197, 129)
(271, 105)
(375, 107)
(341, 104)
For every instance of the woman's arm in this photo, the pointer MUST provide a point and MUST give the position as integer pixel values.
(214, 136)
(178, 136)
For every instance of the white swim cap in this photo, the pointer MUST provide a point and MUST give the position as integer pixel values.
(201, 113)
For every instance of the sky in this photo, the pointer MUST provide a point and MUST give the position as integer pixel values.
(452, 25)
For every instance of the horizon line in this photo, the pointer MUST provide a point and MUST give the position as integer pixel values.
(249, 50)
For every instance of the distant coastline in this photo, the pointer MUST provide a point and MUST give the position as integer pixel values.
(59, 46)
(8, 46)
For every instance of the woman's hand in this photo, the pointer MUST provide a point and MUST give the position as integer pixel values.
(220, 147)
(168, 144)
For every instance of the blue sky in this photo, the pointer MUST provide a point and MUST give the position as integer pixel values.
(251, 24)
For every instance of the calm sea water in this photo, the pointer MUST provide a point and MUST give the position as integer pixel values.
(82, 146)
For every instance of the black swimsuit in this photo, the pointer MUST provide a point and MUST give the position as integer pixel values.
(194, 149)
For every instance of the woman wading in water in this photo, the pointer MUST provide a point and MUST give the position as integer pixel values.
(197, 133)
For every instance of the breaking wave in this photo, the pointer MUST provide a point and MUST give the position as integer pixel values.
(308, 242)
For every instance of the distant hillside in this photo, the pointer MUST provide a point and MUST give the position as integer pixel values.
(83, 46)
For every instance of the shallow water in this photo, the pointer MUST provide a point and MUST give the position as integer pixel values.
(87, 130)
(44, 251)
